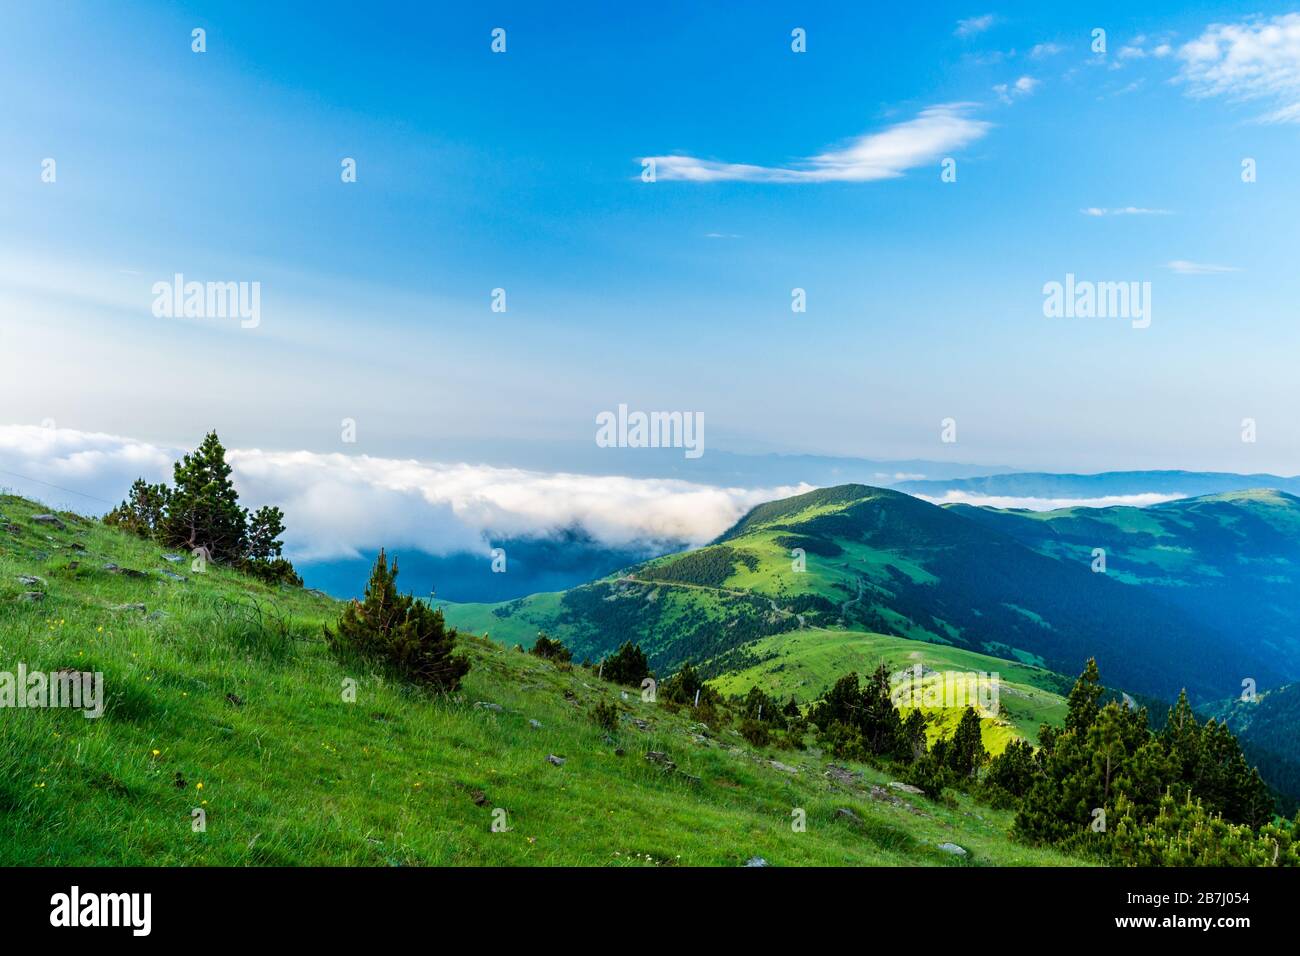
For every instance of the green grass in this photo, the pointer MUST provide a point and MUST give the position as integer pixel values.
(231, 691)
(804, 664)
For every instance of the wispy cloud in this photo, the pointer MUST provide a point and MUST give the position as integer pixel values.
(1123, 211)
(1022, 87)
(1184, 267)
(887, 154)
(1041, 51)
(972, 26)
(1256, 59)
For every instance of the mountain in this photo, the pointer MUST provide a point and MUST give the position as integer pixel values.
(1268, 727)
(221, 697)
(883, 562)
(1230, 561)
(1176, 484)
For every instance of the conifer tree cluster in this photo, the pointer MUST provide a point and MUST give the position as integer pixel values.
(200, 512)
(1108, 784)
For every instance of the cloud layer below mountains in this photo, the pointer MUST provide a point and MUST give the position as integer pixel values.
(339, 505)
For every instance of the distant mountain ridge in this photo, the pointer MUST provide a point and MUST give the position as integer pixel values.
(1231, 561)
(1037, 484)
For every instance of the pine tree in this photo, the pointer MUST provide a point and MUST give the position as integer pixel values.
(913, 735)
(203, 510)
(265, 525)
(1084, 698)
(143, 511)
(1011, 774)
(967, 753)
(397, 630)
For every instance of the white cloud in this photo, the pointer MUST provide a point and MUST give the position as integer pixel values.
(1256, 59)
(1123, 211)
(340, 505)
(1021, 87)
(1049, 504)
(974, 25)
(1186, 268)
(935, 132)
(1042, 50)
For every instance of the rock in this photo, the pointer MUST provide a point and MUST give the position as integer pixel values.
(235, 699)
(952, 848)
(31, 580)
(157, 616)
(172, 576)
(905, 787)
(173, 558)
(52, 520)
(535, 724)
(844, 813)
(756, 861)
(128, 572)
(641, 724)
(479, 797)
(558, 761)
(486, 705)
(841, 774)
(32, 597)
(661, 758)
(129, 607)
(77, 546)
(783, 767)
(13, 528)
(619, 751)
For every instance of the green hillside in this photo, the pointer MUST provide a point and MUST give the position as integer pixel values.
(1231, 560)
(882, 562)
(806, 663)
(221, 696)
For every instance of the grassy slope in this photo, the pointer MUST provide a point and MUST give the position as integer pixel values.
(291, 774)
(804, 664)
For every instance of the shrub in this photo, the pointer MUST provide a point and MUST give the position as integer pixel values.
(551, 650)
(400, 632)
(755, 732)
(605, 715)
(627, 665)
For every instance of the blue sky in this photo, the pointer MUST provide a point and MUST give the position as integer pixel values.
(521, 171)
